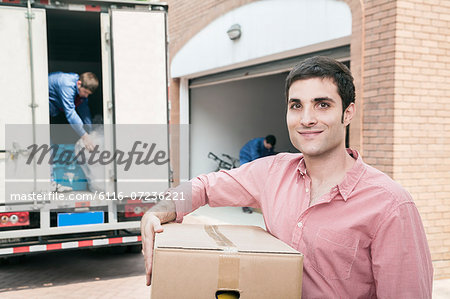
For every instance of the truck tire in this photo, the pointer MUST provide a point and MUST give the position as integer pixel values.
(134, 248)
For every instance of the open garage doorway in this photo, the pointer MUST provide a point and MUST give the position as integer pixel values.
(225, 116)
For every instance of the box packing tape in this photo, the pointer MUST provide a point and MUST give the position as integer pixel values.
(228, 260)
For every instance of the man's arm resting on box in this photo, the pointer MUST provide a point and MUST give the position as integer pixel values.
(195, 194)
(238, 187)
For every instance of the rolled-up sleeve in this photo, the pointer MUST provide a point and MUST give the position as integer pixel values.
(84, 113)
(239, 187)
(401, 260)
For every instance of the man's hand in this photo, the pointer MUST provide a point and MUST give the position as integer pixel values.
(88, 143)
(163, 212)
(150, 224)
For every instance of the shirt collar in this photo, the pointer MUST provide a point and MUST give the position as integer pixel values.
(301, 167)
(351, 178)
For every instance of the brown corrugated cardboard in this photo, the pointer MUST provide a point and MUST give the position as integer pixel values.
(195, 261)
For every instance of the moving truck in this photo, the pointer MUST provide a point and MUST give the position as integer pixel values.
(125, 44)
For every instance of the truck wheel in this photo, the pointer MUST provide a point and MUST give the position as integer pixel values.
(117, 249)
(135, 248)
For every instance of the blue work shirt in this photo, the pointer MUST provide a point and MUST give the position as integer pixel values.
(253, 150)
(62, 90)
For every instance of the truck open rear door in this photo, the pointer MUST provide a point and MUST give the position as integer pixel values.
(24, 99)
(140, 98)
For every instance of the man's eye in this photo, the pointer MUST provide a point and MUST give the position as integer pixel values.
(324, 105)
(296, 106)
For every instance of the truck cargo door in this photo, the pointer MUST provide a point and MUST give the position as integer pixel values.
(138, 41)
(23, 61)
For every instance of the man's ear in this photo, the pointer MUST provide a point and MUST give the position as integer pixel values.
(348, 114)
(78, 84)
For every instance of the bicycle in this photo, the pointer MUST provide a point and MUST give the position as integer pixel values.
(222, 164)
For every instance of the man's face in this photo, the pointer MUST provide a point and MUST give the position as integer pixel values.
(314, 117)
(83, 92)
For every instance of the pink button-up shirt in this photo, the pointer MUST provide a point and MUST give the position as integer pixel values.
(363, 239)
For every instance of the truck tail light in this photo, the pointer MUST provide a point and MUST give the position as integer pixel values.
(137, 209)
(14, 219)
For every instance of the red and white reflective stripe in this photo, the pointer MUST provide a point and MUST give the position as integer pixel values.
(68, 245)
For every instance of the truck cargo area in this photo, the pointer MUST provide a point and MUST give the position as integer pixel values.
(74, 46)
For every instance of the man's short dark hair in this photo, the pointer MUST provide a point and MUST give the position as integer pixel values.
(89, 81)
(270, 139)
(324, 67)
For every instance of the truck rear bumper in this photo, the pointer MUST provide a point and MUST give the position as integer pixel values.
(113, 241)
(23, 233)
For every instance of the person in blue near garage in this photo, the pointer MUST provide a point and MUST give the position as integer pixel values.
(68, 101)
(254, 149)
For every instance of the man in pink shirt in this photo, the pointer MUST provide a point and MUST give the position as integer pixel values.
(359, 231)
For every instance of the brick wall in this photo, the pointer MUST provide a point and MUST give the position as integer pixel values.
(378, 84)
(422, 117)
(400, 58)
(357, 68)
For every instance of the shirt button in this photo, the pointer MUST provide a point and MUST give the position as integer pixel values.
(300, 224)
(307, 190)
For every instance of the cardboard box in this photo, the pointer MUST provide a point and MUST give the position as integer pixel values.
(195, 261)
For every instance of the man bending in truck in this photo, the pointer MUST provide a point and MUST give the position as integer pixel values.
(68, 96)
(360, 232)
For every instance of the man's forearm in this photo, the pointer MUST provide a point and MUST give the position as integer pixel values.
(165, 211)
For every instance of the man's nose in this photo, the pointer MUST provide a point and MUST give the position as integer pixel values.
(308, 117)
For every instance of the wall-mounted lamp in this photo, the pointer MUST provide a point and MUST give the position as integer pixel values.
(234, 32)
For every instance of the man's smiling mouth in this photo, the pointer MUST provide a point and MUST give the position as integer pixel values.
(310, 133)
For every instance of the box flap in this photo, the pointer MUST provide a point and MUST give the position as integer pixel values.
(236, 238)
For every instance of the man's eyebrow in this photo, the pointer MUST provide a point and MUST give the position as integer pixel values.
(322, 99)
(294, 100)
